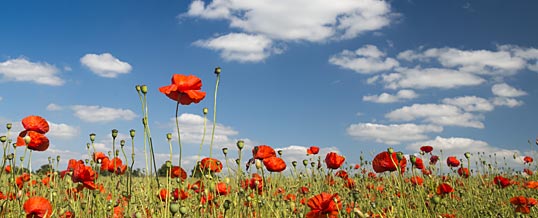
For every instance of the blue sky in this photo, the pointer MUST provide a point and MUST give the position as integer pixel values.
(350, 76)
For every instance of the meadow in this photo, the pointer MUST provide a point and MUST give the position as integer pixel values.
(259, 183)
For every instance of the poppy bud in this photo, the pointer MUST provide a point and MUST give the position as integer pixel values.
(10, 156)
(117, 153)
(8, 126)
(114, 133)
(240, 144)
(305, 162)
(87, 145)
(225, 151)
(399, 155)
(58, 158)
(294, 163)
(138, 214)
(27, 139)
(92, 137)
(390, 150)
(422, 153)
(144, 89)
(217, 70)
(258, 164)
(174, 208)
(132, 133)
(169, 136)
(3, 138)
(279, 152)
(145, 121)
(137, 87)
(122, 143)
(436, 199)
(413, 159)
(183, 210)
(467, 155)
(205, 111)
(226, 204)
(237, 161)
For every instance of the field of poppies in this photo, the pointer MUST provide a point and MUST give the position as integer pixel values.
(259, 183)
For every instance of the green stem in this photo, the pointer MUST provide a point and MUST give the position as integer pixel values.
(203, 135)
(214, 116)
(178, 134)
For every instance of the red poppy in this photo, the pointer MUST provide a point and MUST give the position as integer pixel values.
(434, 159)
(416, 180)
(178, 172)
(8, 169)
(263, 151)
(274, 164)
(37, 207)
(383, 162)
(501, 181)
(464, 172)
(184, 89)
(312, 150)
(85, 175)
(452, 161)
(426, 148)
(523, 204)
(324, 205)
(35, 123)
(528, 171)
(180, 194)
(99, 156)
(528, 159)
(211, 165)
(197, 187)
(163, 194)
(333, 160)
(342, 174)
(304, 190)
(444, 188)
(223, 189)
(419, 164)
(357, 166)
(38, 141)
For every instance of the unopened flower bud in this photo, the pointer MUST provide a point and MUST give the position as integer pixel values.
(174, 208)
(114, 133)
(58, 158)
(87, 145)
(467, 155)
(240, 144)
(294, 163)
(169, 136)
(390, 150)
(183, 210)
(305, 162)
(413, 159)
(92, 137)
(205, 111)
(436, 199)
(237, 161)
(217, 70)
(27, 139)
(225, 151)
(226, 204)
(122, 143)
(258, 164)
(399, 155)
(144, 89)
(8, 126)
(3, 138)
(279, 152)
(132, 132)
(137, 87)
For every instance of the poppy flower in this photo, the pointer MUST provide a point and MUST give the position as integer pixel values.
(523, 204)
(8, 169)
(434, 159)
(342, 174)
(99, 156)
(383, 162)
(184, 89)
(324, 205)
(263, 151)
(528, 171)
(333, 160)
(419, 164)
(35, 123)
(528, 159)
(444, 188)
(85, 175)
(38, 141)
(180, 194)
(501, 181)
(274, 164)
(312, 150)
(163, 194)
(464, 172)
(416, 180)
(223, 189)
(37, 207)
(452, 161)
(426, 148)
(357, 166)
(178, 172)
(304, 190)
(211, 165)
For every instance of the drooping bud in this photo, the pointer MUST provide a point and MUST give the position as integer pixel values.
(240, 144)
(225, 151)
(467, 155)
(279, 152)
(294, 163)
(92, 137)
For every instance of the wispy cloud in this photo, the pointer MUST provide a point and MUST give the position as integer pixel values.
(404, 94)
(391, 134)
(366, 60)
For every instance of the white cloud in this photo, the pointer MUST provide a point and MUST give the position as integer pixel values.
(455, 146)
(240, 47)
(105, 65)
(440, 114)
(391, 134)
(292, 20)
(54, 107)
(94, 113)
(366, 60)
(403, 94)
(419, 78)
(505, 90)
(1, 98)
(509, 102)
(191, 128)
(470, 103)
(63, 130)
(21, 69)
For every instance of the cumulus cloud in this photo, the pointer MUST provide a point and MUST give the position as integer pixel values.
(391, 134)
(508, 102)
(439, 114)
(192, 129)
(94, 113)
(105, 65)
(240, 47)
(383, 98)
(23, 70)
(63, 130)
(505, 90)
(422, 78)
(470, 103)
(366, 60)
(54, 107)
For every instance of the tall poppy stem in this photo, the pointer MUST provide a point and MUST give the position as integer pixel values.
(178, 135)
(217, 71)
